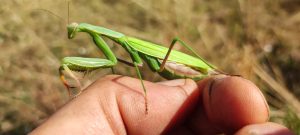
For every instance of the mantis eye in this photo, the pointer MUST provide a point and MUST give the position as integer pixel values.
(72, 29)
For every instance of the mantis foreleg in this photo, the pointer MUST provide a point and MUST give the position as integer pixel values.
(81, 64)
(62, 77)
(70, 64)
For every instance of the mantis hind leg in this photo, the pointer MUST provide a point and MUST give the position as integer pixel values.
(81, 64)
(170, 49)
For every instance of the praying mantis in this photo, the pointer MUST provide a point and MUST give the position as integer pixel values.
(168, 63)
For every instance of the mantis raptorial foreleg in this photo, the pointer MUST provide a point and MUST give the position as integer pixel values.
(62, 77)
(81, 64)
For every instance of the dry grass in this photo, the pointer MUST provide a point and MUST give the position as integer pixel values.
(257, 39)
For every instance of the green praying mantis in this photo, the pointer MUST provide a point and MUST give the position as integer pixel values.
(168, 63)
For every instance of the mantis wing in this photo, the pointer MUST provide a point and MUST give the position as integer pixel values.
(159, 51)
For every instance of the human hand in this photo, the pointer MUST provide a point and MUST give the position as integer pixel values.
(115, 105)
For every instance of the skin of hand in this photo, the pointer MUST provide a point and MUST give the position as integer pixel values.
(116, 105)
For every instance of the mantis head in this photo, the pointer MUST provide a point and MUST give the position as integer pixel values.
(72, 30)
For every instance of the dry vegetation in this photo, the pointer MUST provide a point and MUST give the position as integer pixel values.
(257, 39)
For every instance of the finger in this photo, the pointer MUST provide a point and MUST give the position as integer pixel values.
(115, 105)
(229, 104)
(233, 102)
(167, 105)
(268, 128)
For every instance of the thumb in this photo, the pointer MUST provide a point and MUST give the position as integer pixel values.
(232, 102)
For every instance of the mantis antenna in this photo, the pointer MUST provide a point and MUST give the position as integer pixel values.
(68, 11)
(51, 13)
(57, 16)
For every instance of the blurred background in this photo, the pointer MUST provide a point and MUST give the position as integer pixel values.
(259, 40)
